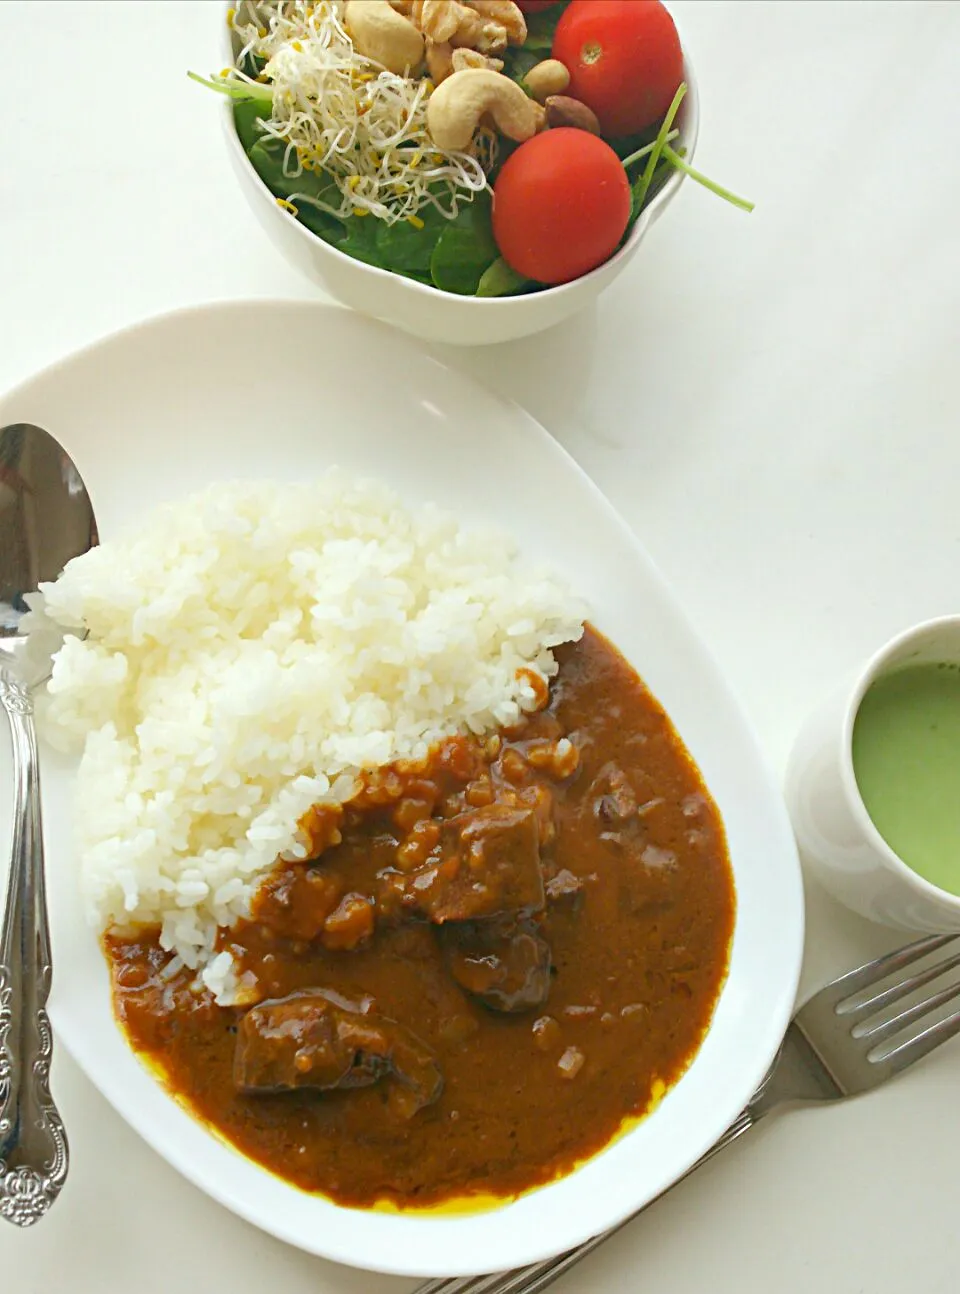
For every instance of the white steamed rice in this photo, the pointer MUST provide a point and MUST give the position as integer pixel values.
(249, 650)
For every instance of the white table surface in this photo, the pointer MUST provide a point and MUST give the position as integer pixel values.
(771, 401)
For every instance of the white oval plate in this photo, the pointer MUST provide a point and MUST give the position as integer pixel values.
(201, 395)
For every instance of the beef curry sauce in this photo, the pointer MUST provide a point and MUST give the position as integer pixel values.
(493, 961)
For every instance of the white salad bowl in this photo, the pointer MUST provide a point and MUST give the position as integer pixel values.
(426, 311)
(169, 406)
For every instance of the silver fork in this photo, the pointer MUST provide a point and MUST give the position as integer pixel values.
(844, 1041)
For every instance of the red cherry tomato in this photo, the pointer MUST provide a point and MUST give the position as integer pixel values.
(534, 6)
(560, 205)
(624, 60)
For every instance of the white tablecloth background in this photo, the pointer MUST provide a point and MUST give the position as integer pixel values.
(771, 401)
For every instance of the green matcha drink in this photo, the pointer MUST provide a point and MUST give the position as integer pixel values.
(906, 757)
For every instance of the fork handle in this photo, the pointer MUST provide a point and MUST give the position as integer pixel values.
(538, 1276)
(33, 1145)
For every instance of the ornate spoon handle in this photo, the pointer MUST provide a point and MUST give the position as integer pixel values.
(33, 1145)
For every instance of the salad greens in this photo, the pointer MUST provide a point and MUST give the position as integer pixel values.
(455, 255)
(499, 280)
(465, 249)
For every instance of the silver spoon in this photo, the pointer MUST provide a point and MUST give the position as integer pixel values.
(45, 519)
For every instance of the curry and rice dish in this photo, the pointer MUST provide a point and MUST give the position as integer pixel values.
(473, 961)
(493, 959)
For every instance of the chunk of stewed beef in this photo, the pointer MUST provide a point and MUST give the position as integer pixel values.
(505, 964)
(312, 1040)
(488, 864)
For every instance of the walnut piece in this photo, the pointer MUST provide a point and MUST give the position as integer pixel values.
(461, 34)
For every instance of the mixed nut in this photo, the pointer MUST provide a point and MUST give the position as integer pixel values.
(457, 43)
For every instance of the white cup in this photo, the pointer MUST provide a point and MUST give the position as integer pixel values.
(836, 835)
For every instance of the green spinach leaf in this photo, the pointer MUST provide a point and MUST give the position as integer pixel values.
(405, 248)
(321, 223)
(499, 280)
(358, 238)
(252, 65)
(247, 115)
(465, 248)
(267, 157)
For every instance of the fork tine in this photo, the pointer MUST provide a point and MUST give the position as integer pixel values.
(870, 973)
(902, 1057)
(887, 1028)
(903, 988)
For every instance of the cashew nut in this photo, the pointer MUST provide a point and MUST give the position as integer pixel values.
(562, 111)
(456, 107)
(546, 78)
(380, 33)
